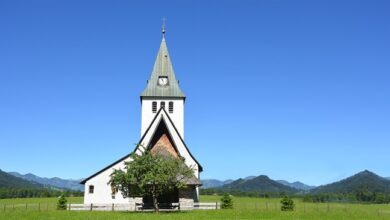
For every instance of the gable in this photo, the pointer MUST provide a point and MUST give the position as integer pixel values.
(162, 142)
(168, 139)
(164, 147)
(178, 142)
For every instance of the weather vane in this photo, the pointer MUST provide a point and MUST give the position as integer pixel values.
(163, 27)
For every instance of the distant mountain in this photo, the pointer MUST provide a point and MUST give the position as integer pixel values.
(9, 181)
(260, 183)
(296, 185)
(227, 181)
(213, 183)
(388, 178)
(51, 182)
(365, 180)
(249, 177)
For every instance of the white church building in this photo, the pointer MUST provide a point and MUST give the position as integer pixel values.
(162, 128)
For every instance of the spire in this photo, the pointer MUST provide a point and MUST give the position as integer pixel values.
(163, 82)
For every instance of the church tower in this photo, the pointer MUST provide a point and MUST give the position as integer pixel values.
(162, 132)
(163, 91)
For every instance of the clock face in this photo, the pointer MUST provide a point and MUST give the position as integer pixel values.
(163, 81)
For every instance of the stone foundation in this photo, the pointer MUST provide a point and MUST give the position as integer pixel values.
(186, 198)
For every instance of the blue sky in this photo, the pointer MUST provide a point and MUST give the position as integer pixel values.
(296, 90)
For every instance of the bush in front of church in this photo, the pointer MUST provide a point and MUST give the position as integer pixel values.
(61, 204)
(226, 201)
(287, 204)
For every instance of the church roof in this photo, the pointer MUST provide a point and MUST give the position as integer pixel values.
(193, 181)
(161, 117)
(163, 69)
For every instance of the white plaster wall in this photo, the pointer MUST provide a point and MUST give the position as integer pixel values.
(102, 190)
(177, 116)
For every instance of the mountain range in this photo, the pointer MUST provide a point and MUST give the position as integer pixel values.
(51, 182)
(297, 185)
(365, 180)
(362, 181)
(260, 183)
(213, 183)
(9, 181)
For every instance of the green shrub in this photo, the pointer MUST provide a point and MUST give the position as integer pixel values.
(287, 204)
(61, 204)
(226, 201)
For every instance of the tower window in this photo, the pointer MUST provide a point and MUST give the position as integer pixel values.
(154, 107)
(170, 107)
(91, 189)
(162, 105)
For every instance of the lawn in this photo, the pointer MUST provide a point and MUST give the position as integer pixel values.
(244, 208)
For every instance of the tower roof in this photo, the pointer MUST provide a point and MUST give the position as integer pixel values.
(163, 69)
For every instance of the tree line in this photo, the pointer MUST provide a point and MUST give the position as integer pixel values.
(220, 192)
(34, 192)
(359, 196)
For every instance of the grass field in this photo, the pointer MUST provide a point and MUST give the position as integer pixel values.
(244, 208)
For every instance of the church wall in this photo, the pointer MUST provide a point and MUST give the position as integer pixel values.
(177, 116)
(102, 191)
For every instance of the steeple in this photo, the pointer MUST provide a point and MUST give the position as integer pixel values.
(163, 82)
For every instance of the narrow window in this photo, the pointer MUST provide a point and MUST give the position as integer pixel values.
(154, 107)
(170, 107)
(91, 188)
(113, 191)
(162, 105)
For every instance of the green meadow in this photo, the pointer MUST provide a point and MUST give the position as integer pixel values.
(244, 208)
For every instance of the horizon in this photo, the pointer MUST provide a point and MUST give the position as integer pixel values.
(223, 180)
(297, 91)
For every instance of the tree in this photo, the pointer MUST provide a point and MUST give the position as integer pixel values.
(61, 204)
(151, 174)
(226, 201)
(287, 204)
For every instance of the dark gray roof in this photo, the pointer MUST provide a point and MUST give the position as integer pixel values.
(190, 181)
(193, 181)
(163, 68)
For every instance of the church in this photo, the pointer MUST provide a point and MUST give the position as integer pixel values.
(162, 129)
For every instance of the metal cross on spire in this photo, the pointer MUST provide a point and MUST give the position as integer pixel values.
(163, 28)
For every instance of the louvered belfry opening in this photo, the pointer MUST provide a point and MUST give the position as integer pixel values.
(170, 107)
(154, 107)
